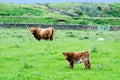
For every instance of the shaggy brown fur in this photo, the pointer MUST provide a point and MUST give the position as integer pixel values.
(40, 33)
(73, 57)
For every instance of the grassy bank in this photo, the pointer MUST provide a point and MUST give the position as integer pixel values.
(61, 13)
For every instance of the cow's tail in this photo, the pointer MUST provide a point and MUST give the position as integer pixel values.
(52, 31)
(52, 34)
(87, 53)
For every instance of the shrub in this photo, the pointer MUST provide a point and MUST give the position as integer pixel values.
(94, 50)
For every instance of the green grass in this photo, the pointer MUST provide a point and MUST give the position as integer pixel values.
(53, 20)
(24, 58)
(19, 10)
(106, 14)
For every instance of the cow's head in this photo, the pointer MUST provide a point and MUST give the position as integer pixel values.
(32, 30)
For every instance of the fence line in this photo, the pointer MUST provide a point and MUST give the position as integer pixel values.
(64, 26)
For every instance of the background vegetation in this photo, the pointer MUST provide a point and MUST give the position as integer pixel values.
(24, 58)
(61, 13)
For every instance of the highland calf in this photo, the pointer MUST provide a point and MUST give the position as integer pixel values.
(40, 33)
(77, 57)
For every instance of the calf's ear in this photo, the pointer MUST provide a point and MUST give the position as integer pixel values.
(63, 53)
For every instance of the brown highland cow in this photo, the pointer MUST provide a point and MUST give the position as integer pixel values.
(77, 57)
(40, 33)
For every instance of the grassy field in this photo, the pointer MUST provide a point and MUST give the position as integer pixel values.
(24, 58)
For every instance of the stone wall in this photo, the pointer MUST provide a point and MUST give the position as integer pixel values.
(59, 27)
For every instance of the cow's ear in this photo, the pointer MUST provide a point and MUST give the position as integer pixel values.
(63, 53)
